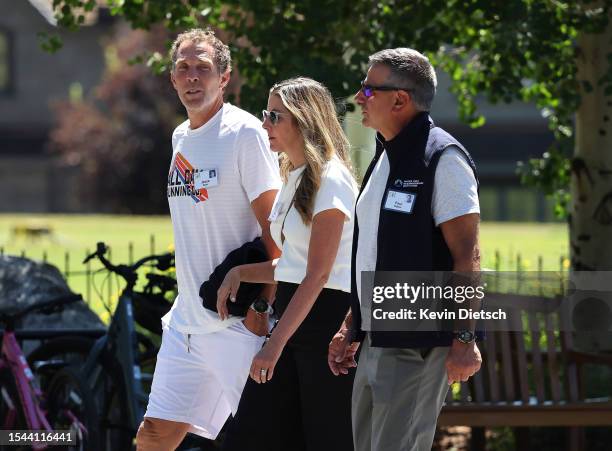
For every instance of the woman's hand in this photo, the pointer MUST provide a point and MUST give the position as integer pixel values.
(229, 288)
(322, 249)
(264, 362)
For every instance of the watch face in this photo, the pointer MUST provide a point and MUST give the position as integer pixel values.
(260, 305)
(465, 336)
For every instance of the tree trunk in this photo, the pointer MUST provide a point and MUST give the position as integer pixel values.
(590, 218)
(591, 186)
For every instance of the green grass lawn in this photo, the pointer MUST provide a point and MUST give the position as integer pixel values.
(529, 241)
(72, 237)
(75, 235)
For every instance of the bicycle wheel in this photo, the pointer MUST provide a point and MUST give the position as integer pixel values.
(11, 413)
(115, 434)
(71, 350)
(71, 407)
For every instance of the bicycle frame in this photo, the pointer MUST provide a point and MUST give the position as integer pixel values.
(120, 344)
(30, 396)
(29, 392)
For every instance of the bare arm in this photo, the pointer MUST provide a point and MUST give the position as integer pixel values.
(256, 272)
(322, 251)
(461, 236)
(324, 242)
(261, 208)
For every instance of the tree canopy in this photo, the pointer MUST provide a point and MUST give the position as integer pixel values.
(505, 50)
(554, 53)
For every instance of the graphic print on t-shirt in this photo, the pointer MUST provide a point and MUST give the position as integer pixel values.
(180, 180)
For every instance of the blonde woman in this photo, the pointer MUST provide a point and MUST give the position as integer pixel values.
(292, 401)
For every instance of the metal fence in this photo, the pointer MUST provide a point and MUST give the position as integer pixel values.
(518, 263)
(71, 267)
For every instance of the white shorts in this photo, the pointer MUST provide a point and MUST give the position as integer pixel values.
(199, 378)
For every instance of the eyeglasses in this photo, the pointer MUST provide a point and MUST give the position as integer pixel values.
(368, 90)
(272, 116)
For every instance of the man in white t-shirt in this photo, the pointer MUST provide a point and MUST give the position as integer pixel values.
(222, 183)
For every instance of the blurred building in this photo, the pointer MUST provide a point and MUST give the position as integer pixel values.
(30, 80)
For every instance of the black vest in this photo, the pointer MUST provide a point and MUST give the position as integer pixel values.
(409, 242)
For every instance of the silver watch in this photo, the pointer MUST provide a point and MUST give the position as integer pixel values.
(465, 336)
(261, 307)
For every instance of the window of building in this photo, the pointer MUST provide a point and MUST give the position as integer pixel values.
(5, 62)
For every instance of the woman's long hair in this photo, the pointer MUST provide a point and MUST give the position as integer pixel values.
(313, 109)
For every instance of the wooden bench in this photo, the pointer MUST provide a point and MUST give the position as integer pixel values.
(532, 377)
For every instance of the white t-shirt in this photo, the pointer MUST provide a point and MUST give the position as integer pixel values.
(338, 190)
(455, 193)
(217, 170)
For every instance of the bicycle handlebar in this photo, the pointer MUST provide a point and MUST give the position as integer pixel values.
(164, 283)
(128, 272)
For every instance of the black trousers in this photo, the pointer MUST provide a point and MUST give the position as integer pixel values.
(304, 407)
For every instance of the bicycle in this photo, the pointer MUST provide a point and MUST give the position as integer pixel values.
(74, 345)
(114, 365)
(66, 405)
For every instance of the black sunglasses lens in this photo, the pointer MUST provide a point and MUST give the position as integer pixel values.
(272, 116)
(366, 89)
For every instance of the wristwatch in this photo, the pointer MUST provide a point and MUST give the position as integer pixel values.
(465, 336)
(261, 307)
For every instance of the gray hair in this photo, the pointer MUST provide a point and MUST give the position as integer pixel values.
(222, 57)
(411, 70)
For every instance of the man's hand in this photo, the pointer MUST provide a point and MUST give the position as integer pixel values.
(462, 362)
(341, 353)
(257, 323)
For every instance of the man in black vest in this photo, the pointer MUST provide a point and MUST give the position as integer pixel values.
(431, 225)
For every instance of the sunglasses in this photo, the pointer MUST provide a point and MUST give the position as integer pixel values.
(368, 90)
(272, 116)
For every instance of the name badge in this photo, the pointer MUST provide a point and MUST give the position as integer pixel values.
(205, 178)
(276, 209)
(400, 201)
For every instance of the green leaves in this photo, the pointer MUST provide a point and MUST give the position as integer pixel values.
(551, 174)
(49, 43)
(159, 63)
(505, 50)
(488, 47)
